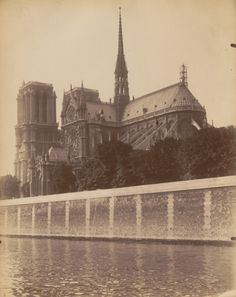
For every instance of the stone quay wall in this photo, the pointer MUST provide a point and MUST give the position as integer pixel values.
(203, 209)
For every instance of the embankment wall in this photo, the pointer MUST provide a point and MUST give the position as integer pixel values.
(203, 209)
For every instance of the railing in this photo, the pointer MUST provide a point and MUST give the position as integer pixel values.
(202, 209)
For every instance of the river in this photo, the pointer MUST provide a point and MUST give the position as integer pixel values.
(50, 267)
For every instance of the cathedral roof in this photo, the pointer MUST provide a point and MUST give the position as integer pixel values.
(87, 91)
(72, 97)
(171, 98)
(35, 83)
(101, 110)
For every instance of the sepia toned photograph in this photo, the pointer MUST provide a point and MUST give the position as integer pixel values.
(117, 148)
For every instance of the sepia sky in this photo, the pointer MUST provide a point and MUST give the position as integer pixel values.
(65, 41)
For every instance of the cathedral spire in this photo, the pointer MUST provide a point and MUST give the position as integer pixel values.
(121, 95)
(120, 42)
(121, 68)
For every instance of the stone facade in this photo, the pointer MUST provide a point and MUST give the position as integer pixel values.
(86, 121)
(203, 209)
(36, 129)
(170, 112)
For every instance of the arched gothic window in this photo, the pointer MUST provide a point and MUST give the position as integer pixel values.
(44, 108)
(36, 117)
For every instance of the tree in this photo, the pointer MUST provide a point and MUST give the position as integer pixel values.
(9, 187)
(114, 156)
(91, 175)
(164, 161)
(62, 178)
(25, 189)
(212, 152)
(140, 171)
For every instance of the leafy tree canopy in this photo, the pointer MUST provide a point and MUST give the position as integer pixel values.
(9, 187)
(63, 180)
(210, 152)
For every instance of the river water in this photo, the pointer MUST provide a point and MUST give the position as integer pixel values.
(49, 267)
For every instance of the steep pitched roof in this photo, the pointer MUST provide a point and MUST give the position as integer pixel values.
(73, 96)
(173, 97)
(35, 83)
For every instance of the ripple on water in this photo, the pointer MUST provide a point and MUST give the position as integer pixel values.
(114, 269)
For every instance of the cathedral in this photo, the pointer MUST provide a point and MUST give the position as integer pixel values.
(87, 121)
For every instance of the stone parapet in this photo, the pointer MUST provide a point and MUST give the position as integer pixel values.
(203, 209)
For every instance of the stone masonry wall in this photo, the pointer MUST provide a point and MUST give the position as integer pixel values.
(208, 213)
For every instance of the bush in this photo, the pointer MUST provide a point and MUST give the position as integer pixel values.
(9, 187)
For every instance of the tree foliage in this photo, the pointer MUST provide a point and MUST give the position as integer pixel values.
(9, 187)
(115, 158)
(164, 160)
(91, 175)
(209, 153)
(62, 178)
(25, 189)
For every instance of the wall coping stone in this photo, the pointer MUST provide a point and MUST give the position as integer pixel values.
(197, 184)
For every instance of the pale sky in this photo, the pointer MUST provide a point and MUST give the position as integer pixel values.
(65, 41)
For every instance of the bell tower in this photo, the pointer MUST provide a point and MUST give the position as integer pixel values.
(36, 129)
(121, 94)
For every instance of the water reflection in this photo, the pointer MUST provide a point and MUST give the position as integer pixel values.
(44, 267)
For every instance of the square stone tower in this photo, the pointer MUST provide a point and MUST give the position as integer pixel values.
(36, 129)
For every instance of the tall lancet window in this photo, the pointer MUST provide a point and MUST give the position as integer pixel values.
(36, 117)
(44, 108)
